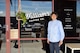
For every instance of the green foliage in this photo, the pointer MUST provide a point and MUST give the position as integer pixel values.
(21, 15)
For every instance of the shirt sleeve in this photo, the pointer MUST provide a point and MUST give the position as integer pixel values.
(62, 34)
(48, 36)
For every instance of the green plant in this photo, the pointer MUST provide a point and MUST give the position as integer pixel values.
(22, 16)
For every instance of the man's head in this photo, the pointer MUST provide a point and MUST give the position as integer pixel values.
(54, 15)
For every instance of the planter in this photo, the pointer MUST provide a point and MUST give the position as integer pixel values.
(21, 16)
(18, 18)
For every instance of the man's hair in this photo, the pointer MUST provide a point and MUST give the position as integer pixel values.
(54, 13)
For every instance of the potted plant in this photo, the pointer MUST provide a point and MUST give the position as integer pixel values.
(21, 16)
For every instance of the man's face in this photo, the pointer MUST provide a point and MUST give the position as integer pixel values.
(53, 17)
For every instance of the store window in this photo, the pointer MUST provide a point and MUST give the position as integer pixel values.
(2, 26)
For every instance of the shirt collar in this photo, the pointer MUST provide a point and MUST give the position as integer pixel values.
(54, 20)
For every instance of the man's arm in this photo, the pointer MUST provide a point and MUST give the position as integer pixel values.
(62, 34)
(48, 33)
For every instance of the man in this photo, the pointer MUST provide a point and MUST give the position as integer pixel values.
(55, 33)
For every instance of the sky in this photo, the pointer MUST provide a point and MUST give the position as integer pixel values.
(36, 6)
(78, 8)
(33, 6)
(28, 6)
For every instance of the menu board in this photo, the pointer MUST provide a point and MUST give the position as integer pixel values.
(67, 14)
(13, 33)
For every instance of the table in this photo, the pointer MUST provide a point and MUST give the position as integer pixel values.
(72, 46)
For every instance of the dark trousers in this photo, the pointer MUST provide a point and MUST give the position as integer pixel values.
(0, 44)
(54, 46)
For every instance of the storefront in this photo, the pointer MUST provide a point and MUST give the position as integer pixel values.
(38, 16)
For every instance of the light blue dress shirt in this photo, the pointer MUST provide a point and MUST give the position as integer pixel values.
(55, 31)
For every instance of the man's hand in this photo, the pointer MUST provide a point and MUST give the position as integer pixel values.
(60, 43)
(48, 41)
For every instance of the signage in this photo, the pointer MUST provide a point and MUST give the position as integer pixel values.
(67, 14)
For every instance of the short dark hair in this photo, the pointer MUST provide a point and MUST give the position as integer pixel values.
(54, 13)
